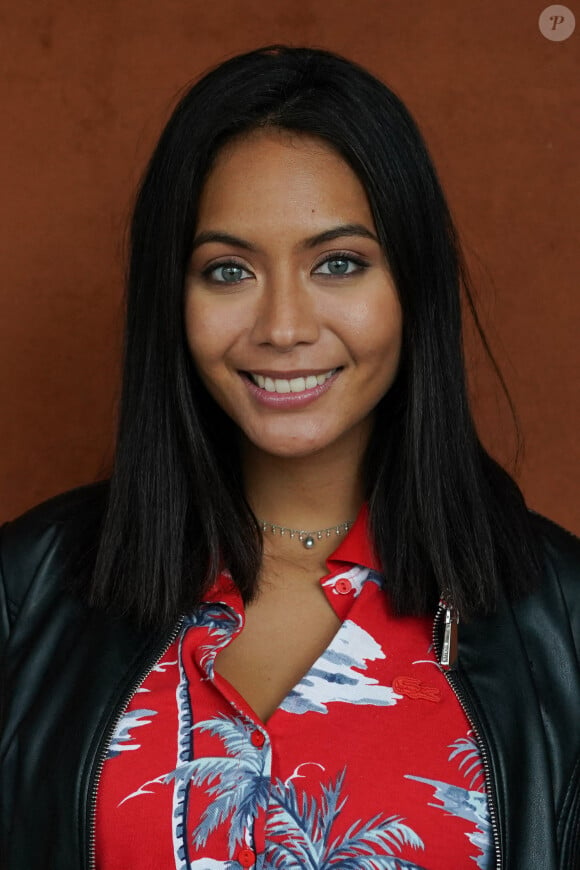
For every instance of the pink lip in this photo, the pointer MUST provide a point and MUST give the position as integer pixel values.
(288, 400)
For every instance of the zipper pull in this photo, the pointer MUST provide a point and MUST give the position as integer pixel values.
(449, 649)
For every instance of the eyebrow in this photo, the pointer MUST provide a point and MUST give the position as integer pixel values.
(326, 236)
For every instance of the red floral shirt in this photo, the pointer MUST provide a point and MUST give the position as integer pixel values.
(368, 763)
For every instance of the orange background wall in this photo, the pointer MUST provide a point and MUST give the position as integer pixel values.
(85, 88)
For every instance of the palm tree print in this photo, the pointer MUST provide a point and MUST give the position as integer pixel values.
(470, 803)
(239, 786)
(242, 786)
(466, 749)
(122, 739)
(301, 830)
(221, 623)
(184, 754)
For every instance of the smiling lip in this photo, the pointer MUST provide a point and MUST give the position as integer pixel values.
(288, 376)
(289, 400)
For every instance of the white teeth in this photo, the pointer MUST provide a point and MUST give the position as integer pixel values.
(298, 385)
(295, 385)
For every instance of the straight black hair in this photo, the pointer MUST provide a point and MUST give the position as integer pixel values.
(445, 517)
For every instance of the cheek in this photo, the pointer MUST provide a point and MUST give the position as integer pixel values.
(376, 328)
(213, 327)
(207, 359)
(195, 341)
(203, 335)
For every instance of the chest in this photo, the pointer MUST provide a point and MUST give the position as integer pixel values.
(286, 629)
(347, 726)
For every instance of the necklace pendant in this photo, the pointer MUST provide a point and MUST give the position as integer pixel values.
(307, 539)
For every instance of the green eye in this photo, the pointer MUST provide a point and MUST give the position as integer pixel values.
(229, 274)
(340, 265)
(226, 273)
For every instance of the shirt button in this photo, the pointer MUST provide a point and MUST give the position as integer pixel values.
(343, 586)
(246, 858)
(257, 739)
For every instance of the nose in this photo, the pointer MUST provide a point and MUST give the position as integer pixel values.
(285, 315)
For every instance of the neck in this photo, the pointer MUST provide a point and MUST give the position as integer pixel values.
(310, 492)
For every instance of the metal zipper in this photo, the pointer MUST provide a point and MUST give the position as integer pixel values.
(446, 654)
(100, 761)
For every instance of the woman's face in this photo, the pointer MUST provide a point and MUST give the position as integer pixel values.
(292, 316)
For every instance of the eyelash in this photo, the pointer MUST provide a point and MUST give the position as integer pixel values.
(337, 255)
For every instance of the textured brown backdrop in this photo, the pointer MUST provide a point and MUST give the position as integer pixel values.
(84, 90)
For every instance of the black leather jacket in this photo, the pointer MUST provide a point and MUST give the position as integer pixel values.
(68, 672)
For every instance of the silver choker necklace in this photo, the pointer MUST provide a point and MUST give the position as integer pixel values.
(308, 539)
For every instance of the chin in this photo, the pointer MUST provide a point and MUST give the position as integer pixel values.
(297, 452)
(288, 451)
(292, 448)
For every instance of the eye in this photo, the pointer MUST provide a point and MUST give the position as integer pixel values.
(227, 273)
(341, 264)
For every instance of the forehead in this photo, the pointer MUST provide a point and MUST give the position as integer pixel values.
(274, 175)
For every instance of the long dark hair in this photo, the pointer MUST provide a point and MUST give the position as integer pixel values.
(444, 515)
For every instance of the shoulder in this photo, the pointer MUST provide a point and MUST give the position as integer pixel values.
(42, 545)
(559, 590)
(561, 551)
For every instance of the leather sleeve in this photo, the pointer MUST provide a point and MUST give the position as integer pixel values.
(37, 549)
(562, 550)
(5, 616)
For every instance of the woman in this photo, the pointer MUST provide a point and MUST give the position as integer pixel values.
(310, 622)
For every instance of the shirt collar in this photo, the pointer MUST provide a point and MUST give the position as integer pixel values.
(357, 547)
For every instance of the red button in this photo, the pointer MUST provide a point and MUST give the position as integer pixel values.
(343, 586)
(257, 739)
(246, 858)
